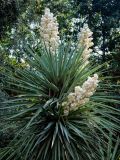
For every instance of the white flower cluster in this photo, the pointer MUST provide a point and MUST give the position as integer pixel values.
(85, 39)
(49, 30)
(81, 95)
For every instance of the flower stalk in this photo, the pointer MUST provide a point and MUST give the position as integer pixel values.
(49, 31)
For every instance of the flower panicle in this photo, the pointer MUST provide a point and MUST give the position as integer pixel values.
(85, 39)
(81, 95)
(49, 30)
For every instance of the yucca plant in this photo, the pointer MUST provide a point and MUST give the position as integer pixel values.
(60, 111)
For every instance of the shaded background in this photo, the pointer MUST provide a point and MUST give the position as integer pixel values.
(20, 19)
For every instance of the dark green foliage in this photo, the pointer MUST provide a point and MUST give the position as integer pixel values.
(8, 13)
(113, 150)
(3, 97)
(43, 132)
(6, 135)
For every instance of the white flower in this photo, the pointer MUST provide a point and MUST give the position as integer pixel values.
(49, 30)
(81, 94)
(78, 89)
(96, 76)
(90, 85)
(85, 39)
(71, 97)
